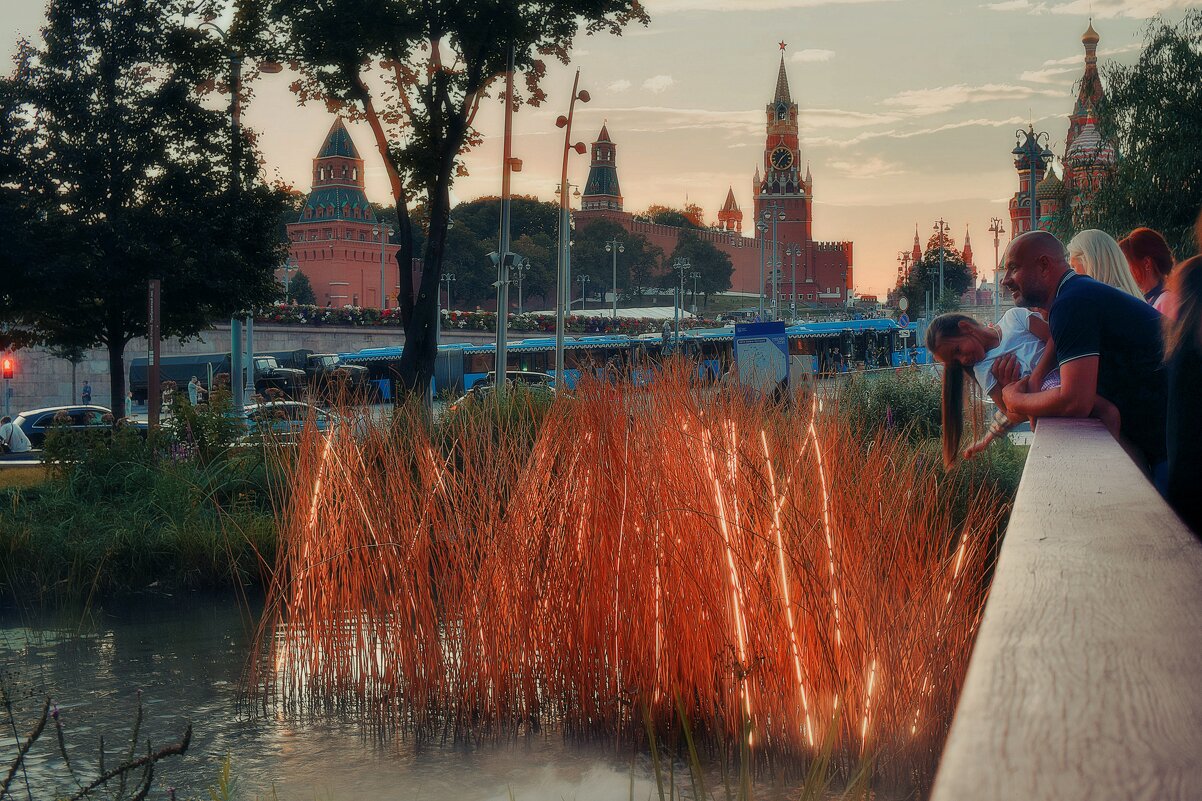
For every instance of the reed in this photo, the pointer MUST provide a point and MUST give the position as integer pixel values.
(643, 556)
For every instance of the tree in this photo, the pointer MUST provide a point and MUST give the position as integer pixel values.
(125, 173)
(301, 290)
(714, 267)
(924, 276)
(417, 72)
(688, 217)
(1152, 112)
(638, 261)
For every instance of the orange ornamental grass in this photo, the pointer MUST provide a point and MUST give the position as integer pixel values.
(638, 549)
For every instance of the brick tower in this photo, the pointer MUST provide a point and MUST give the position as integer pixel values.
(601, 190)
(730, 217)
(336, 239)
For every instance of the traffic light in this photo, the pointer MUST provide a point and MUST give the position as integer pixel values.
(8, 365)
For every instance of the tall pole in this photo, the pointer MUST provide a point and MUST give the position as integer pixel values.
(562, 286)
(682, 266)
(996, 228)
(762, 228)
(615, 246)
(942, 227)
(154, 392)
(696, 275)
(249, 391)
(503, 247)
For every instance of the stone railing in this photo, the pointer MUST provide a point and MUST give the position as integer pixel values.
(1086, 678)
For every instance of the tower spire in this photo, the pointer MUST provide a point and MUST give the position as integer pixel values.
(782, 81)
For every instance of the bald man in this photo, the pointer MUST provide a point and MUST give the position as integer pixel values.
(1107, 343)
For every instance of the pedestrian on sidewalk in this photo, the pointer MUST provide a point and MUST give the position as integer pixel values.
(87, 392)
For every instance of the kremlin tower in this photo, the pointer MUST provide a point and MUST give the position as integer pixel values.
(823, 269)
(336, 239)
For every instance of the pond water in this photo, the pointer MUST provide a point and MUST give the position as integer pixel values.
(186, 658)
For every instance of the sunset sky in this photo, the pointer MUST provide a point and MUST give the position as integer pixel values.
(908, 108)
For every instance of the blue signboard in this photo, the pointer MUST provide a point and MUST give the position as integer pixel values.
(903, 321)
(762, 354)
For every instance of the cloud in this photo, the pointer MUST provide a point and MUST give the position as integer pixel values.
(811, 55)
(619, 86)
(894, 133)
(921, 102)
(1067, 69)
(658, 83)
(670, 6)
(1098, 9)
(862, 169)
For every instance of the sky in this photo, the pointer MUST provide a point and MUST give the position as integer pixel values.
(908, 108)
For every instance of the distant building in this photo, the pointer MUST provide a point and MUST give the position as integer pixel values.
(1088, 158)
(823, 269)
(335, 241)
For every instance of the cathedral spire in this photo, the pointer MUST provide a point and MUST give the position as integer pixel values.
(917, 252)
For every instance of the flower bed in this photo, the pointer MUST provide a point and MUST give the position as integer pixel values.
(293, 314)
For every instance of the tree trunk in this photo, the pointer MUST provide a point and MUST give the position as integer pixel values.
(116, 348)
(421, 333)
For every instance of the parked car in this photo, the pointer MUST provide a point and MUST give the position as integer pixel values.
(538, 383)
(283, 421)
(37, 422)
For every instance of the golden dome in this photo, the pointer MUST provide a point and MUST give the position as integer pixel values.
(1090, 36)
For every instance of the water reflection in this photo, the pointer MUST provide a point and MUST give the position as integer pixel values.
(187, 660)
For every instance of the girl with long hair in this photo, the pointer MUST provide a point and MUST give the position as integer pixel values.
(1151, 261)
(966, 347)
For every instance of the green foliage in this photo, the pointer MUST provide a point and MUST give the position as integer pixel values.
(1152, 112)
(924, 275)
(300, 289)
(440, 59)
(123, 174)
(637, 263)
(906, 402)
(714, 267)
(122, 513)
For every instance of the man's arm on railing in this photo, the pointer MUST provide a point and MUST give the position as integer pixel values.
(1073, 398)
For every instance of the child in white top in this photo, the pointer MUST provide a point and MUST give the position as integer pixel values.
(961, 344)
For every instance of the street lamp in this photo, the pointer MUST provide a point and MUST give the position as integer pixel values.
(615, 246)
(520, 266)
(997, 229)
(288, 269)
(384, 233)
(448, 279)
(941, 228)
(583, 278)
(696, 275)
(762, 227)
(931, 270)
(793, 251)
(682, 267)
(562, 282)
(1029, 145)
(773, 215)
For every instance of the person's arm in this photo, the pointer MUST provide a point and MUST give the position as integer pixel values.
(1073, 398)
(1040, 328)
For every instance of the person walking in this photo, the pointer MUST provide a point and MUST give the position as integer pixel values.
(194, 391)
(87, 392)
(129, 403)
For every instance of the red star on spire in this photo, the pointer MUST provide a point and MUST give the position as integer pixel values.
(782, 46)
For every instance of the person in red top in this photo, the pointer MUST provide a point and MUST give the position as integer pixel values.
(1151, 262)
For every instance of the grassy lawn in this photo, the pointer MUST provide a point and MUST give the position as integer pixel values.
(23, 476)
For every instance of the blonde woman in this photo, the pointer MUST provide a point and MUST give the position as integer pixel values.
(1096, 254)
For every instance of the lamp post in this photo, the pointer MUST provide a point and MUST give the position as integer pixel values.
(615, 246)
(682, 266)
(562, 276)
(773, 215)
(288, 269)
(384, 233)
(696, 275)
(1031, 146)
(931, 270)
(762, 227)
(583, 278)
(448, 279)
(996, 228)
(793, 251)
(941, 228)
(520, 267)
